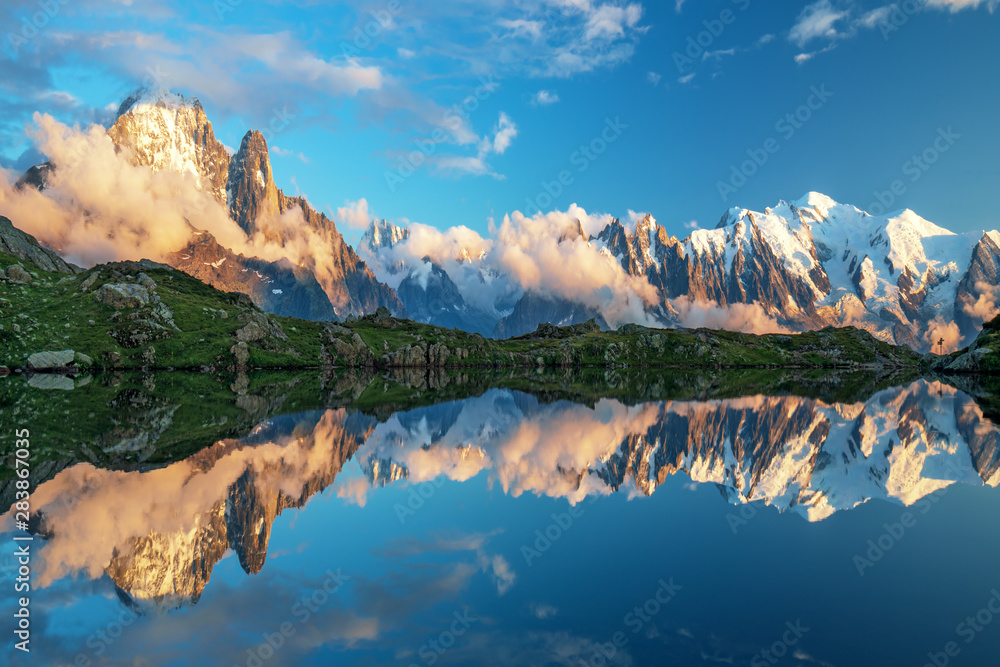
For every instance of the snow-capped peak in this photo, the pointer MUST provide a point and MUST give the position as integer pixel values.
(384, 234)
(816, 200)
(155, 97)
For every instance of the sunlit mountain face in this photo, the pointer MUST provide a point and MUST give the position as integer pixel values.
(488, 506)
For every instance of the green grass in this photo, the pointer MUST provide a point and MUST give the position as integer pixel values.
(52, 313)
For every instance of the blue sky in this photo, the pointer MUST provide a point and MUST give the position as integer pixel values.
(492, 101)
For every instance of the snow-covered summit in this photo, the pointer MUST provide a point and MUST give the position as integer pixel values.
(150, 96)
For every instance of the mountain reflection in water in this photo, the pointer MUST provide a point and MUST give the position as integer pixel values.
(158, 534)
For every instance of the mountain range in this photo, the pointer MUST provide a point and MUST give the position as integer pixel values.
(801, 265)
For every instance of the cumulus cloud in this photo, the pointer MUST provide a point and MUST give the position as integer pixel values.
(100, 208)
(654, 78)
(942, 336)
(987, 304)
(552, 254)
(549, 253)
(354, 214)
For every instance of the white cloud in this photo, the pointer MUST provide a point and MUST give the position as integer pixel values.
(522, 28)
(958, 5)
(802, 58)
(874, 17)
(718, 55)
(816, 20)
(654, 78)
(692, 224)
(505, 132)
(611, 21)
(687, 78)
(355, 214)
(284, 152)
(536, 38)
(824, 20)
(543, 611)
(544, 98)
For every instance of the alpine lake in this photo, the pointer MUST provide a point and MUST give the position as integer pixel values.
(526, 518)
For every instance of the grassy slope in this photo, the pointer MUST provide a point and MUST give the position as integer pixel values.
(54, 312)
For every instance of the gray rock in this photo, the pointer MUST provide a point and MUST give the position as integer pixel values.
(122, 295)
(241, 353)
(83, 360)
(89, 282)
(250, 333)
(16, 274)
(41, 361)
(146, 281)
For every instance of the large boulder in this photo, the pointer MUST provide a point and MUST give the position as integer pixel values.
(146, 281)
(47, 361)
(17, 274)
(122, 295)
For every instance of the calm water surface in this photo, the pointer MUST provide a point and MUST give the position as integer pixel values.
(506, 527)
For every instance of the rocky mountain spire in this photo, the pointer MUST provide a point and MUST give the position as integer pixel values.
(251, 191)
